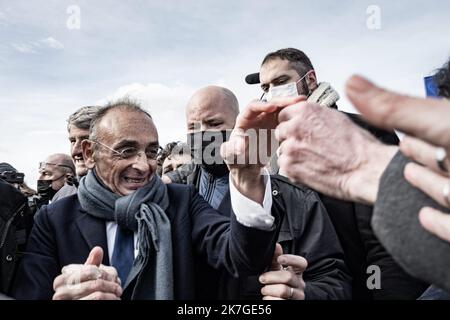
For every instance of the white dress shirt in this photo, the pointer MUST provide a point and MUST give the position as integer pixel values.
(248, 212)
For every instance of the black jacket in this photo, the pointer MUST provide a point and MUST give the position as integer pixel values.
(15, 224)
(306, 230)
(64, 233)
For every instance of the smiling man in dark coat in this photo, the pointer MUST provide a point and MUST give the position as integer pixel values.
(147, 230)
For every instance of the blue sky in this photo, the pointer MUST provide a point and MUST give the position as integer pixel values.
(160, 52)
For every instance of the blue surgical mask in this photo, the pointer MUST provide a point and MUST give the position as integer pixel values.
(285, 90)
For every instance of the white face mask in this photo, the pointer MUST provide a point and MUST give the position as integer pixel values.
(285, 90)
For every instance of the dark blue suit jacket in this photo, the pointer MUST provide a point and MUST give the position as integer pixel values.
(64, 234)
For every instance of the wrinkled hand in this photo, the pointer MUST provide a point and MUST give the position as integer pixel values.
(427, 121)
(258, 116)
(91, 281)
(284, 282)
(324, 149)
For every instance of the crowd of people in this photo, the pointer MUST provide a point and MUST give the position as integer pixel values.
(319, 204)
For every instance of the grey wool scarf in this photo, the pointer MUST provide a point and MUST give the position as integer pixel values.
(142, 211)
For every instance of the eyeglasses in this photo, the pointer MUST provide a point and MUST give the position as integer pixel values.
(131, 152)
(43, 165)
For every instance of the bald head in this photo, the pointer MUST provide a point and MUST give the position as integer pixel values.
(212, 108)
(57, 168)
(63, 161)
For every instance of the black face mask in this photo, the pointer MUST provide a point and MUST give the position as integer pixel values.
(45, 190)
(205, 150)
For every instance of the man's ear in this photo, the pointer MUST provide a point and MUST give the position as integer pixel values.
(88, 153)
(68, 175)
(311, 80)
(70, 179)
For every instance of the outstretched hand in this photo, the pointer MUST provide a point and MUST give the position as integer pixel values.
(88, 281)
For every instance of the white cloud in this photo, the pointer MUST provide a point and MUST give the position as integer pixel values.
(34, 133)
(35, 128)
(34, 46)
(3, 20)
(24, 47)
(52, 43)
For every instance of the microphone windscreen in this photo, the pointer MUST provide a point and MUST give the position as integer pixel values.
(252, 78)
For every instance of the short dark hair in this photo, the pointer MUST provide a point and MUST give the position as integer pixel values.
(166, 151)
(172, 148)
(299, 60)
(442, 79)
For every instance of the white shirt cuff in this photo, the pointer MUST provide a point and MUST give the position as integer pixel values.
(250, 213)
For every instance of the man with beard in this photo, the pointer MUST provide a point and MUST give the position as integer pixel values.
(289, 72)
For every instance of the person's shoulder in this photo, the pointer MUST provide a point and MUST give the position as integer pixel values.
(181, 198)
(65, 191)
(64, 208)
(385, 136)
(178, 187)
(180, 190)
